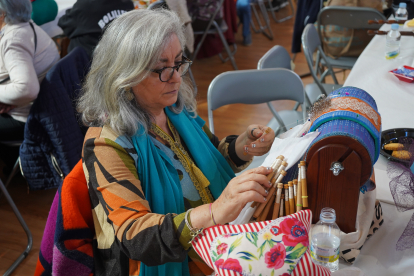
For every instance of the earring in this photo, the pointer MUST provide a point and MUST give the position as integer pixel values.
(128, 94)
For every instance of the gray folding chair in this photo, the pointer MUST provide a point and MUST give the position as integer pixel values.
(347, 17)
(16, 212)
(311, 44)
(278, 57)
(255, 87)
(214, 28)
(264, 29)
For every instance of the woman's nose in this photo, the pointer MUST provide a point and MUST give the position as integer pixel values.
(176, 77)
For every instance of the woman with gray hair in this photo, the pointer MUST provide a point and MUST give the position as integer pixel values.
(156, 174)
(26, 54)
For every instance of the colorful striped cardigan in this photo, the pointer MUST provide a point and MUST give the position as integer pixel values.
(66, 247)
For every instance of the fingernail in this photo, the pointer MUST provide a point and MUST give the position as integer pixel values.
(262, 140)
(267, 192)
(268, 168)
(253, 145)
(270, 183)
(264, 199)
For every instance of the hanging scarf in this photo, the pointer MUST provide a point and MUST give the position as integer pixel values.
(160, 181)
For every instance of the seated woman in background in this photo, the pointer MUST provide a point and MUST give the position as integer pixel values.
(155, 172)
(27, 53)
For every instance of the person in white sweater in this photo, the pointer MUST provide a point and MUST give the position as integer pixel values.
(26, 54)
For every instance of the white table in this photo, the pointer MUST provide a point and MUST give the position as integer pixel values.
(394, 98)
(395, 101)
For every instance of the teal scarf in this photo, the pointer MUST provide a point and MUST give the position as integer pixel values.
(160, 181)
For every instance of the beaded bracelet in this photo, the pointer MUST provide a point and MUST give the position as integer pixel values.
(211, 215)
(194, 232)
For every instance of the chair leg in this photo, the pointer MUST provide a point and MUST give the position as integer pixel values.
(272, 10)
(226, 46)
(12, 174)
(224, 60)
(256, 30)
(26, 229)
(296, 106)
(266, 19)
(262, 29)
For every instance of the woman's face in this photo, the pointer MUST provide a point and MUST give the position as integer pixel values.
(153, 94)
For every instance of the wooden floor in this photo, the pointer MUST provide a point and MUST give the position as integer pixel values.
(234, 119)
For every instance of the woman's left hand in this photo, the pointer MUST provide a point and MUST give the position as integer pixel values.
(255, 141)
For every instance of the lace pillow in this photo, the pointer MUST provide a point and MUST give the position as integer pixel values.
(277, 247)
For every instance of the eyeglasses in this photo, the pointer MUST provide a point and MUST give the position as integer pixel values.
(167, 73)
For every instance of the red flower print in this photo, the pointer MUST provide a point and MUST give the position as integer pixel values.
(275, 258)
(219, 263)
(275, 230)
(285, 274)
(294, 231)
(222, 248)
(230, 264)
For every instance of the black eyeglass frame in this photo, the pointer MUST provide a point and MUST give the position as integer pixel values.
(177, 67)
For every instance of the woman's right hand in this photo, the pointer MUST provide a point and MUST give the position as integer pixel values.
(249, 186)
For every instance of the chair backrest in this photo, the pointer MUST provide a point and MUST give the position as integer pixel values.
(311, 43)
(53, 135)
(276, 57)
(253, 87)
(349, 17)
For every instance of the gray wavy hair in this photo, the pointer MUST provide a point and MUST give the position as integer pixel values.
(131, 44)
(17, 11)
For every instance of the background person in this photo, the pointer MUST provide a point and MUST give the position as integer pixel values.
(27, 53)
(85, 22)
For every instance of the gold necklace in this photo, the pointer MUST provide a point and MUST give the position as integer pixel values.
(197, 177)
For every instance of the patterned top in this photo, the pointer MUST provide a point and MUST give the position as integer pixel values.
(127, 233)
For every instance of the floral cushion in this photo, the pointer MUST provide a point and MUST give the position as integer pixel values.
(278, 247)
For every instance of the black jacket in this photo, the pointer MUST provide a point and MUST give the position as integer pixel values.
(85, 21)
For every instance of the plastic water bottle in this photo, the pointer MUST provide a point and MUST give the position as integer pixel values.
(325, 240)
(402, 13)
(392, 48)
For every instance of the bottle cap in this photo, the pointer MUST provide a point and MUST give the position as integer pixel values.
(395, 27)
(328, 215)
(403, 5)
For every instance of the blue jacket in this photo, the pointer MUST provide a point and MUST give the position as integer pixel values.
(53, 129)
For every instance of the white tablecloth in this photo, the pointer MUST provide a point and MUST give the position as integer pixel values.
(395, 101)
(394, 98)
